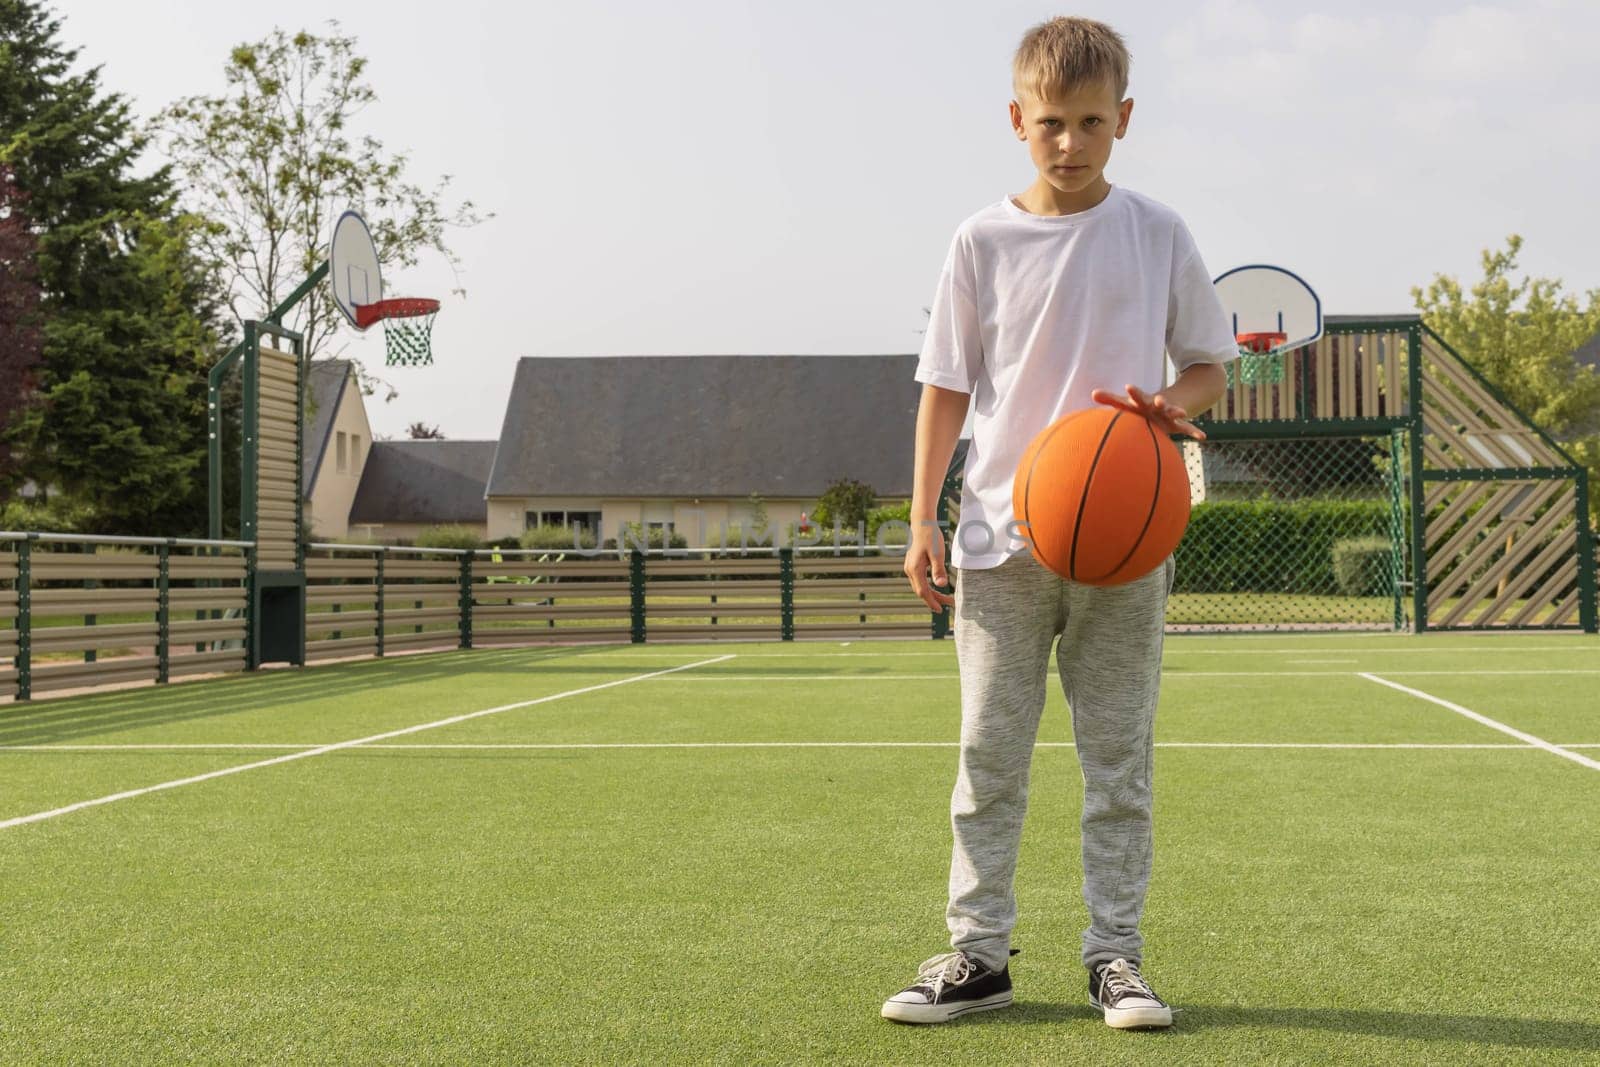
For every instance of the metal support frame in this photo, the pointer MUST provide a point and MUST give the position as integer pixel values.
(1419, 517)
(1397, 529)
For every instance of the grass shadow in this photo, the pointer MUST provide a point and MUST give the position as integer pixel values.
(1493, 1030)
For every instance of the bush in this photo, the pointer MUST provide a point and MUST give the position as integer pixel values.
(57, 515)
(448, 537)
(1362, 566)
(555, 537)
(504, 542)
(846, 502)
(736, 536)
(634, 535)
(900, 512)
(1271, 546)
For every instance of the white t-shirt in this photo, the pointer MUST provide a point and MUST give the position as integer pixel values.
(1033, 312)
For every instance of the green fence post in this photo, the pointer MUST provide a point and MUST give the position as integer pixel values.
(382, 554)
(1588, 615)
(786, 591)
(636, 594)
(163, 615)
(25, 618)
(951, 489)
(466, 600)
(1419, 520)
(250, 663)
(1397, 532)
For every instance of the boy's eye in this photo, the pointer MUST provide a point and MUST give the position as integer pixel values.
(1091, 121)
(1052, 122)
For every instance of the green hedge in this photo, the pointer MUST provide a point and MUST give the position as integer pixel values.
(448, 537)
(1270, 546)
(1363, 566)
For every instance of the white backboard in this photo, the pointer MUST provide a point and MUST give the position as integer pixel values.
(353, 266)
(1265, 299)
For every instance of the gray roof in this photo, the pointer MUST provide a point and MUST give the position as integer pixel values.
(707, 426)
(423, 481)
(327, 386)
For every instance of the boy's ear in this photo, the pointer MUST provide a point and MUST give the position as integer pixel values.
(1016, 122)
(1124, 110)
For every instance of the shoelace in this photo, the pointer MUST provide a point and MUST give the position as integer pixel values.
(1120, 978)
(952, 967)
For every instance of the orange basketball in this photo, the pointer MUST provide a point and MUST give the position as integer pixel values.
(1102, 496)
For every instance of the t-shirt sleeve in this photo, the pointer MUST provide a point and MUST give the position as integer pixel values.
(1198, 330)
(952, 348)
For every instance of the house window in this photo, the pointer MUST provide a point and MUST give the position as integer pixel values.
(355, 453)
(584, 520)
(339, 448)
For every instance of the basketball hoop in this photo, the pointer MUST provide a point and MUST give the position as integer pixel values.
(1261, 342)
(407, 328)
(1260, 358)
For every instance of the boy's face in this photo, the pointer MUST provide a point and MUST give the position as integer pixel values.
(1069, 138)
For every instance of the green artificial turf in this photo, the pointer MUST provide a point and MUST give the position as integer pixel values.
(754, 901)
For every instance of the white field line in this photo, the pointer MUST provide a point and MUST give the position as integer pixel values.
(324, 749)
(536, 746)
(1528, 738)
(809, 678)
(1173, 648)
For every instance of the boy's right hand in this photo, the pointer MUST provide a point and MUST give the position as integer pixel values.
(926, 553)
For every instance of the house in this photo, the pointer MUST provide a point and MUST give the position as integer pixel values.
(334, 450)
(689, 443)
(408, 486)
(683, 442)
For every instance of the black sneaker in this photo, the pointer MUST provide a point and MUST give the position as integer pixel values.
(1121, 992)
(950, 986)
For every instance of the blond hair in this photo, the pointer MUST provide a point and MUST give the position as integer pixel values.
(1065, 54)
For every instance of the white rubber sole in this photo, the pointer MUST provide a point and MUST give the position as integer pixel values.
(1136, 1018)
(942, 1013)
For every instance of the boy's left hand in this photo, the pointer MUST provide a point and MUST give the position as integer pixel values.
(1153, 406)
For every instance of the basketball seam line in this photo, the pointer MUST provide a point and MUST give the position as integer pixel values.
(1088, 481)
(1027, 495)
(1155, 498)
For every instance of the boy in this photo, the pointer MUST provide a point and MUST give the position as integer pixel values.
(1047, 301)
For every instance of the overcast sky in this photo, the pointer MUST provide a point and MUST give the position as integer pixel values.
(715, 176)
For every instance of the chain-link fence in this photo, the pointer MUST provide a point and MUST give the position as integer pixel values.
(1294, 534)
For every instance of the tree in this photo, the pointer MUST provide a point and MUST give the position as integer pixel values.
(19, 309)
(272, 160)
(115, 418)
(1521, 334)
(420, 431)
(845, 504)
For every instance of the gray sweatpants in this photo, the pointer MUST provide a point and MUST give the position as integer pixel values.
(1109, 658)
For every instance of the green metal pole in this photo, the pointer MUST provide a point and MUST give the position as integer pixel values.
(382, 554)
(948, 492)
(636, 594)
(1588, 611)
(251, 429)
(25, 619)
(466, 600)
(163, 614)
(1419, 520)
(786, 592)
(252, 659)
(1397, 531)
(275, 316)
